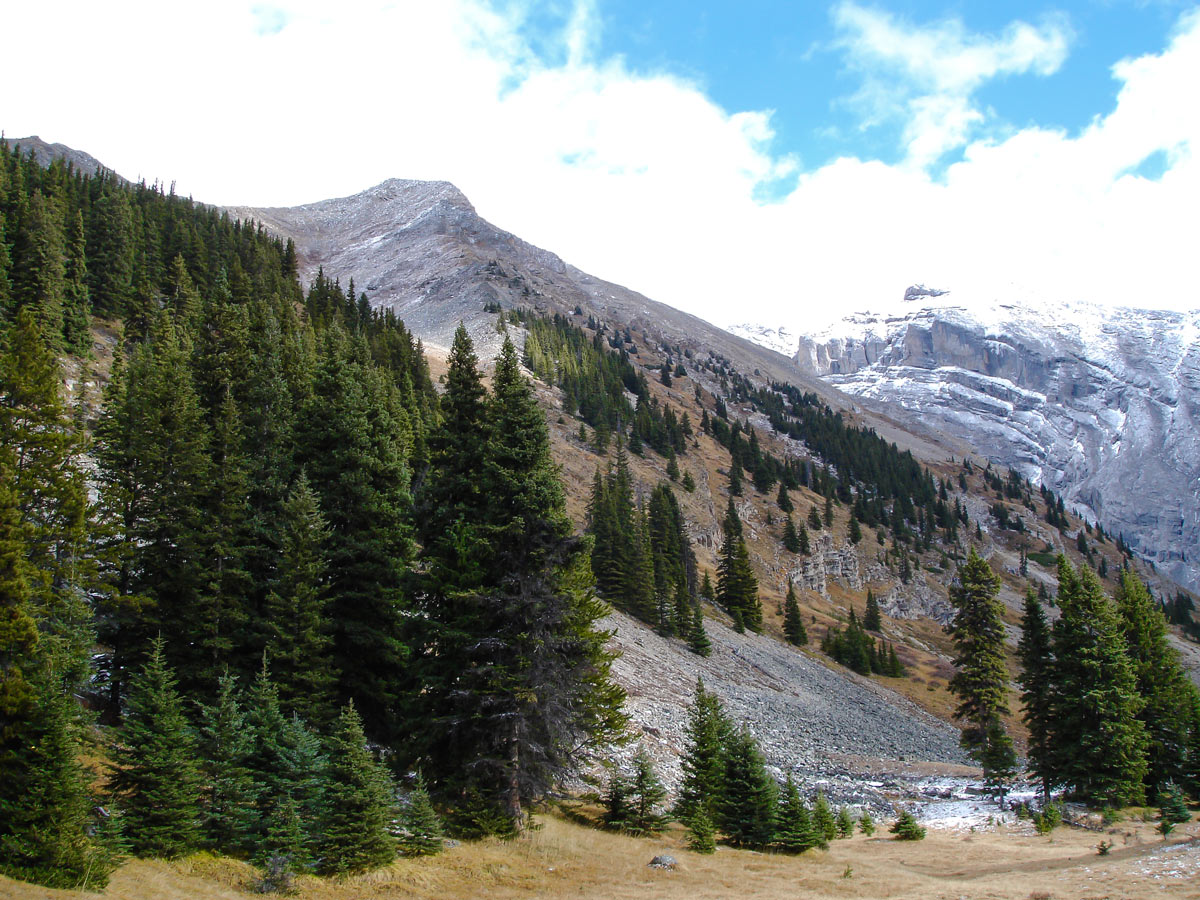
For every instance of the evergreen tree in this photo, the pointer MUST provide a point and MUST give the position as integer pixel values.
(228, 791)
(871, 618)
(359, 803)
(1037, 696)
(746, 809)
(865, 823)
(298, 631)
(784, 501)
(155, 780)
(981, 677)
(700, 834)
(793, 622)
(814, 519)
(906, 828)
(791, 538)
(698, 641)
(845, 823)
(824, 824)
(737, 588)
(643, 793)
(793, 824)
(708, 732)
(1101, 742)
(421, 828)
(1161, 682)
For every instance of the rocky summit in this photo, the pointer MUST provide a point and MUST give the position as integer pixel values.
(1100, 404)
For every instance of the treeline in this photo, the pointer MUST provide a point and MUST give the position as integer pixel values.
(276, 483)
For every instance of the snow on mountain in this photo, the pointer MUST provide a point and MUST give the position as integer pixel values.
(1102, 404)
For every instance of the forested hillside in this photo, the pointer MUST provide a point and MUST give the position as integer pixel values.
(282, 595)
(274, 540)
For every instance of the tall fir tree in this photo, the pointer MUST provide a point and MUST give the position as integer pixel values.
(746, 809)
(708, 731)
(1037, 695)
(359, 803)
(737, 588)
(793, 822)
(228, 791)
(981, 677)
(1167, 694)
(155, 779)
(793, 622)
(1101, 740)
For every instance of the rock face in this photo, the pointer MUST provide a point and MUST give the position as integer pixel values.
(1100, 404)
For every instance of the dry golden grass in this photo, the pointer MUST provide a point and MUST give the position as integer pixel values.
(568, 860)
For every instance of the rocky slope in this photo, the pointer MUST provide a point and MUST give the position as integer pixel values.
(1101, 404)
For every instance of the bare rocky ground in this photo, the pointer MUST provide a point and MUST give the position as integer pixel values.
(848, 736)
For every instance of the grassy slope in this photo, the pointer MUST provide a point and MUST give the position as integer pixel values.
(564, 859)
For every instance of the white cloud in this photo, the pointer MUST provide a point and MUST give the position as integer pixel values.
(927, 74)
(638, 178)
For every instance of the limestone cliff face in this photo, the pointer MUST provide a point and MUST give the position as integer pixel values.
(1101, 404)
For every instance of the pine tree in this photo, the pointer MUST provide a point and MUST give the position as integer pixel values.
(737, 588)
(700, 834)
(698, 640)
(784, 501)
(359, 803)
(1037, 696)
(1161, 682)
(871, 618)
(746, 809)
(906, 828)
(228, 792)
(793, 824)
(845, 823)
(791, 538)
(645, 794)
(297, 629)
(155, 780)
(703, 763)
(421, 828)
(1101, 741)
(824, 824)
(981, 677)
(793, 622)
(865, 823)
(814, 519)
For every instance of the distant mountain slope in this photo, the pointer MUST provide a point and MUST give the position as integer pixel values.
(45, 153)
(1101, 404)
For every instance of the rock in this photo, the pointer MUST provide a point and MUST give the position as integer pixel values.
(663, 861)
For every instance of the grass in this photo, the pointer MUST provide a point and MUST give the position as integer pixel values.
(564, 859)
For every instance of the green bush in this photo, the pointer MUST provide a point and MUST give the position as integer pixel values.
(906, 828)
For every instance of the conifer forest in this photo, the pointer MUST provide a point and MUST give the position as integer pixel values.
(280, 594)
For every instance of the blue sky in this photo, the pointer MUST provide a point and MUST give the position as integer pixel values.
(775, 162)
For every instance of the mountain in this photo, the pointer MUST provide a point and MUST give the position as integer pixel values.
(45, 153)
(1100, 404)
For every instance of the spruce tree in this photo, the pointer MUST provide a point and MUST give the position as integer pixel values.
(865, 823)
(737, 587)
(824, 824)
(981, 677)
(698, 640)
(746, 809)
(1161, 682)
(703, 763)
(359, 803)
(1037, 695)
(872, 621)
(155, 780)
(784, 501)
(906, 828)
(228, 791)
(814, 519)
(791, 538)
(793, 622)
(793, 824)
(1101, 741)
(645, 794)
(421, 828)
(845, 823)
(297, 627)
(700, 834)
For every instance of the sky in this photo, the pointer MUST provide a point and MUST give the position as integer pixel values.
(769, 162)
